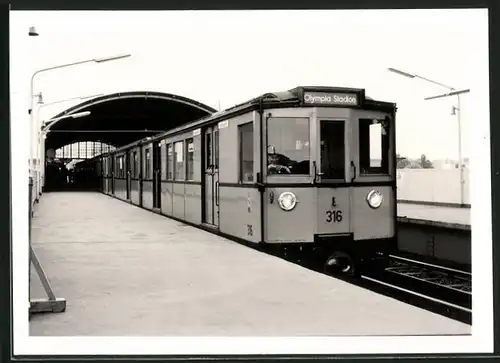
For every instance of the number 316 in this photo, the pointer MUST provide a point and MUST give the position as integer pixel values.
(334, 216)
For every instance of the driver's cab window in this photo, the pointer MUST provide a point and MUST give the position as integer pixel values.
(288, 150)
(374, 146)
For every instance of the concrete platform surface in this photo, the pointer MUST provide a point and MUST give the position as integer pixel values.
(127, 271)
(452, 217)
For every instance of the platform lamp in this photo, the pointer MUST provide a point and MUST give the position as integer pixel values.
(455, 111)
(33, 32)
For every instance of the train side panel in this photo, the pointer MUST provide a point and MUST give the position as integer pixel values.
(135, 184)
(119, 176)
(179, 190)
(147, 176)
(108, 174)
(334, 211)
(173, 188)
(192, 191)
(240, 212)
(373, 223)
(167, 186)
(297, 225)
(239, 199)
(192, 203)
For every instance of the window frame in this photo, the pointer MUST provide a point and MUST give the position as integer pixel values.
(170, 161)
(121, 161)
(189, 165)
(383, 170)
(181, 173)
(136, 165)
(346, 145)
(147, 164)
(310, 159)
(215, 145)
(240, 152)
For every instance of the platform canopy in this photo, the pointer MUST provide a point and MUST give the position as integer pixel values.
(121, 118)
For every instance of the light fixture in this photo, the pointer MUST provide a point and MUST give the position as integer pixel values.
(402, 73)
(33, 32)
(287, 201)
(112, 58)
(40, 98)
(374, 199)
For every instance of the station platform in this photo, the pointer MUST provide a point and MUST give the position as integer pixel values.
(126, 271)
(434, 215)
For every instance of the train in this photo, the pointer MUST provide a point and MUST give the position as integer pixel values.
(310, 171)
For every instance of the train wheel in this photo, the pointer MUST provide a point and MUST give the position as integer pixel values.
(340, 263)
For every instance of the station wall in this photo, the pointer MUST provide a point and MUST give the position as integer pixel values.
(432, 185)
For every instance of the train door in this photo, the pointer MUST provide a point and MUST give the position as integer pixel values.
(128, 174)
(104, 173)
(211, 182)
(141, 174)
(334, 195)
(157, 175)
(113, 174)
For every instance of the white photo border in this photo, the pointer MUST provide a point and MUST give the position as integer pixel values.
(480, 341)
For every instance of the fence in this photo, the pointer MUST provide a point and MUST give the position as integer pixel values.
(432, 186)
(51, 304)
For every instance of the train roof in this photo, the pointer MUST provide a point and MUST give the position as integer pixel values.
(301, 96)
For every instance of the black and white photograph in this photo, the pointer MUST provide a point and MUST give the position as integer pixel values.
(251, 182)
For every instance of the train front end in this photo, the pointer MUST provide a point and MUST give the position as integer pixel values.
(331, 178)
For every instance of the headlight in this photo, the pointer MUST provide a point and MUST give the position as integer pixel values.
(374, 199)
(287, 201)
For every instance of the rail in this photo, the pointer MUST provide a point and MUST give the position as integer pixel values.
(441, 289)
(445, 277)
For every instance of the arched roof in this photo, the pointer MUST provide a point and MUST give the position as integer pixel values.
(121, 118)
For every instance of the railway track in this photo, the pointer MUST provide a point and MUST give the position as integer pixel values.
(454, 285)
(436, 288)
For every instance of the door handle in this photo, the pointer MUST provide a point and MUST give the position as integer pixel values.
(217, 193)
(353, 167)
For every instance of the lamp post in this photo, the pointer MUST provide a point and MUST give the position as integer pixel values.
(455, 111)
(34, 128)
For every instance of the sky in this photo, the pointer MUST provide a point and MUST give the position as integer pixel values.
(228, 57)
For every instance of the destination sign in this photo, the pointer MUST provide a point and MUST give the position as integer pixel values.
(323, 98)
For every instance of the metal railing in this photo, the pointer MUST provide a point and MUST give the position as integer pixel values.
(52, 304)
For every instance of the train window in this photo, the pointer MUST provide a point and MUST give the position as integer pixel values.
(288, 150)
(163, 156)
(170, 162)
(208, 153)
(136, 165)
(332, 149)
(179, 160)
(120, 167)
(147, 164)
(216, 149)
(245, 132)
(131, 165)
(373, 146)
(189, 159)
